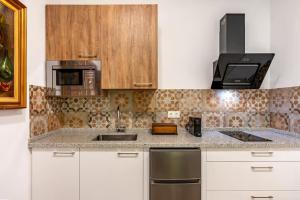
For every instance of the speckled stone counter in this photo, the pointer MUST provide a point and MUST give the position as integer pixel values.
(82, 138)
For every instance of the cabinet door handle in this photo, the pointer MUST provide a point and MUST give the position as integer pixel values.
(87, 56)
(262, 154)
(262, 197)
(63, 154)
(259, 169)
(142, 84)
(128, 155)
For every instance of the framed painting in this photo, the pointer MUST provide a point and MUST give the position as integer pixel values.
(12, 54)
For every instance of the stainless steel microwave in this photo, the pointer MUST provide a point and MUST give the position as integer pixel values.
(73, 78)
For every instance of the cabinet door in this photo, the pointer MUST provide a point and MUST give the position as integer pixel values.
(129, 47)
(72, 32)
(55, 175)
(111, 175)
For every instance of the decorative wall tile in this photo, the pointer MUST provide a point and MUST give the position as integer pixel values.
(38, 101)
(213, 119)
(123, 99)
(38, 125)
(76, 120)
(258, 101)
(75, 104)
(236, 120)
(126, 119)
(295, 123)
(55, 121)
(100, 103)
(234, 100)
(100, 120)
(53, 104)
(212, 100)
(279, 100)
(295, 100)
(280, 121)
(143, 120)
(191, 101)
(167, 100)
(258, 120)
(143, 101)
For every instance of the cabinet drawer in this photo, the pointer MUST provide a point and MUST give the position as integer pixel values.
(176, 191)
(253, 176)
(175, 164)
(253, 195)
(254, 155)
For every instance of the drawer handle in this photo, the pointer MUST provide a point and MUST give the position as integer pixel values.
(128, 155)
(87, 56)
(142, 84)
(269, 168)
(262, 154)
(63, 154)
(261, 197)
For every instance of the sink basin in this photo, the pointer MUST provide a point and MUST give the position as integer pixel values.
(127, 137)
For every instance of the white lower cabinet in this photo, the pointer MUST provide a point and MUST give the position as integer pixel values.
(251, 175)
(55, 175)
(253, 195)
(111, 175)
(91, 174)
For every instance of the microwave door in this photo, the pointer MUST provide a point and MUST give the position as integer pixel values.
(69, 77)
(68, 81)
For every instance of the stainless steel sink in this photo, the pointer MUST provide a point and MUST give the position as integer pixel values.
(127, 137)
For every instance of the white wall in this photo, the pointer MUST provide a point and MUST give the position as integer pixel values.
(14, 124)
(285, 28)
(188, 43)
(188, 36)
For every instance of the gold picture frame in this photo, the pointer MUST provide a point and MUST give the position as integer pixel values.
(12, 54)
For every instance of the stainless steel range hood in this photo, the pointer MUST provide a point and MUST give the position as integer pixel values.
(234, 68)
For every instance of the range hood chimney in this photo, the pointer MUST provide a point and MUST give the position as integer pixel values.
(236, 69)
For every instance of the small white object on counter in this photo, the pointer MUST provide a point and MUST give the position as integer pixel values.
(173, 114)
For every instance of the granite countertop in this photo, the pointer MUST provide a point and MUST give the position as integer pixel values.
(82, 138)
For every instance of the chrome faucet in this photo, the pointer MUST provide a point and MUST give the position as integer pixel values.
(119, 126)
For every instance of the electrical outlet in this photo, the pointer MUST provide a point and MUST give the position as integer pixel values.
(173, 114)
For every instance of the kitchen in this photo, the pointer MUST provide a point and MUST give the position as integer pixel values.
(187, 44)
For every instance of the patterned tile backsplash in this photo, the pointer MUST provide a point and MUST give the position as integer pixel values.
(45, 111)
(285, 109)
(278, 108)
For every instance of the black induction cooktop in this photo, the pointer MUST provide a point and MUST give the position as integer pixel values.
(245, 137)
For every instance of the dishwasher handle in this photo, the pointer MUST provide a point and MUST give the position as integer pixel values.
(176, 181)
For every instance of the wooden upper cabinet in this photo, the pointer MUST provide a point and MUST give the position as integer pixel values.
(123, 37)
(129, 47)
(72, 32)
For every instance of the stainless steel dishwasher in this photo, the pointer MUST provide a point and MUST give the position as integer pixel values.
(175, 174)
